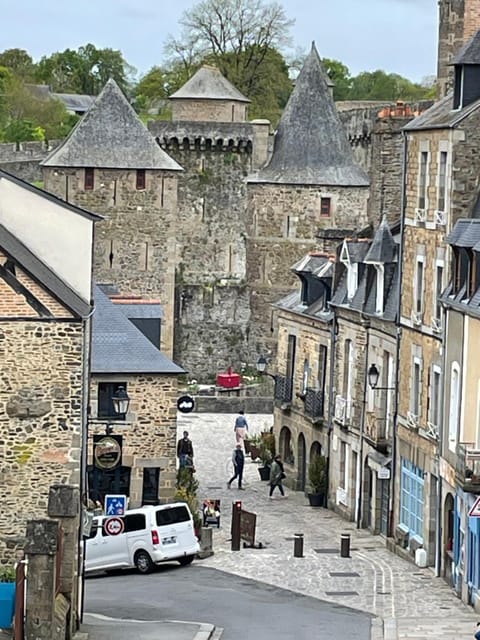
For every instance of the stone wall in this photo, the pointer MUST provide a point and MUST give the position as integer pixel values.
(135, 243)
(283, 222)
(450, 40)
(192, 110)
(23, 159)
(40, 416)
(149, 440)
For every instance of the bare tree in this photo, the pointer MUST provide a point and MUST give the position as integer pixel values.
(243, 30)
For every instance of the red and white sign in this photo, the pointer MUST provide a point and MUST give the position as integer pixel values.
(475, 510)
(113, 526)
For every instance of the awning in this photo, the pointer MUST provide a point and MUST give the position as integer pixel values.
(377, 460)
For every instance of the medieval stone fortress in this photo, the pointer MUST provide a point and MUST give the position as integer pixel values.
(343, 247)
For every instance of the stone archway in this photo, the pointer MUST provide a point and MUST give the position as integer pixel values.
(302, 463)
(315, 450)
(285, 445)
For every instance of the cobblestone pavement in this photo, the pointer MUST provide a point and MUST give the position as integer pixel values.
(408, 602)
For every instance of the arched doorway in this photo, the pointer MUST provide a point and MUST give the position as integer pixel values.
(302, 463)
(315, 450)
(285, 446)
(448, 528)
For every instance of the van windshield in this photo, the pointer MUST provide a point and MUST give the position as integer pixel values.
(172, 516)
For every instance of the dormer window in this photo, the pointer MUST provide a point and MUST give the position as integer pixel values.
(352, 279)
(380, 273)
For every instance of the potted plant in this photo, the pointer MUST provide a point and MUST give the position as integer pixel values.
(187, 487)
(317, 476)
(266, 454)
(7, 596)
(253, 447)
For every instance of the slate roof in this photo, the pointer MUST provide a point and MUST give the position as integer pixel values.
(311, 146)
(119, 347)
(441, 115)
(208, 84)
(383, 248)
(465, 233)
(42, 274)
(293, 302)
(469, 53)
(319, 265)
(111, 136)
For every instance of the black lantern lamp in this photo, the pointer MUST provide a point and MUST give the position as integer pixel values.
(373, 376)
(121, 401)
(261, 365)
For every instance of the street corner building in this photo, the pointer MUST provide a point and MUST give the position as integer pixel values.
(45, 308)
(126, 336)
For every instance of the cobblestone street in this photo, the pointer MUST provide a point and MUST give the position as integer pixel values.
(408, 602)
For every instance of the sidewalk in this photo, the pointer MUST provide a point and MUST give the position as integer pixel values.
(96, 627)
(409, 602)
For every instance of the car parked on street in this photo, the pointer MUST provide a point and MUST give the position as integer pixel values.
(141, 538)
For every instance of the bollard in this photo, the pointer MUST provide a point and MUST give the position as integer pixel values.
(236, 520)
(298, 545)
(345, 545)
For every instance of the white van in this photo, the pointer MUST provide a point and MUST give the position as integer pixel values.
(151, 534)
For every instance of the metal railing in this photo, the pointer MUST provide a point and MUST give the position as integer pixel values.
(314, 403)
(467, 464)
(283, 389)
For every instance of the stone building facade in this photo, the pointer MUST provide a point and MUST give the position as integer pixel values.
(124, 357)
(45, 292)
(441, 186)
(459, 20)
(110, 164)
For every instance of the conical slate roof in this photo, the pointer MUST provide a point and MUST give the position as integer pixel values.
(209, 84)
(311, 146)
(383, 249)
(111, 136)
(470, 52)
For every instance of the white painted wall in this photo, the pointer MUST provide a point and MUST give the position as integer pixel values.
(59, 237)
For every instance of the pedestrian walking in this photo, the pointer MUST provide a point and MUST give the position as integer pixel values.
(238, 460)
(240, 428)
(185, 451)
(277, 474)
(477, 635)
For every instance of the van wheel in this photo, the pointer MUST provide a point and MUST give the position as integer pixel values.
(186, 560)
(143, 562)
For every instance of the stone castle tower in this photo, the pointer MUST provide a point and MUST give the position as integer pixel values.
(308, 197)
(111, 165)
(459, 20)
(209, 136)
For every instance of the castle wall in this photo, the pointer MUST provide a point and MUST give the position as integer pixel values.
(23, 159)
(283, 222)
(192, 110)
(135, 243)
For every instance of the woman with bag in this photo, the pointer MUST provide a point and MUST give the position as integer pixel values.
(277, 474)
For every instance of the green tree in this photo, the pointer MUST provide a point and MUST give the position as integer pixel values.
(379, 85)
(19, 62)
(84, 71)
(340, 75)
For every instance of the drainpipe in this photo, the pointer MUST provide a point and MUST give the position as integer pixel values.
(399, 336)
(331, 392)
(438, 506)
(358, 518)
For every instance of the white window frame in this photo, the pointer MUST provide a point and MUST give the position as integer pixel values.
(352, 279)
(380, 269)
(454, 406)
(435, 403)
(416, 410)
(424, 149)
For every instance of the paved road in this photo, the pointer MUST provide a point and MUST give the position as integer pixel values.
(411, 602)
(245, 609)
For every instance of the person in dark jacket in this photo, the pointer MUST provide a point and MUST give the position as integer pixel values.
(277, 474)
(238, 460)
(185, 450)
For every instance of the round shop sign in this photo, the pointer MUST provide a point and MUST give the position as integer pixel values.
(185, 404)
(113, 526)
(108, 453)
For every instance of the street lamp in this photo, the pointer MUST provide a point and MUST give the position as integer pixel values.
(373, 375)
(121, 401)
(261, 365)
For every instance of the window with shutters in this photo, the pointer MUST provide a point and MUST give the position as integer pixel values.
(89, 179)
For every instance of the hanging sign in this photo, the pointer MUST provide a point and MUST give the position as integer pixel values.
(107, 451)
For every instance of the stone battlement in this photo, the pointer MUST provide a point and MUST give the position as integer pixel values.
(204, 136)
(25, 151)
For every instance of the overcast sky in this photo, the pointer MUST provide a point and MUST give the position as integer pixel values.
(395, 35)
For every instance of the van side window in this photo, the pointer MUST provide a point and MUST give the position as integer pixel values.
(134, 522)
(171, 516)
(93, 530)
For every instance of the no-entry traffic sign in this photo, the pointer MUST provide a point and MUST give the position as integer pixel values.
(113, 526)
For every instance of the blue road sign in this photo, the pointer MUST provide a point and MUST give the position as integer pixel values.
(115, 505)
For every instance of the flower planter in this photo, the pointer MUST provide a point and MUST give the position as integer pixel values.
(7, 604)
(246, 444)
(254, 452)
(316, 499)
(264, 473)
